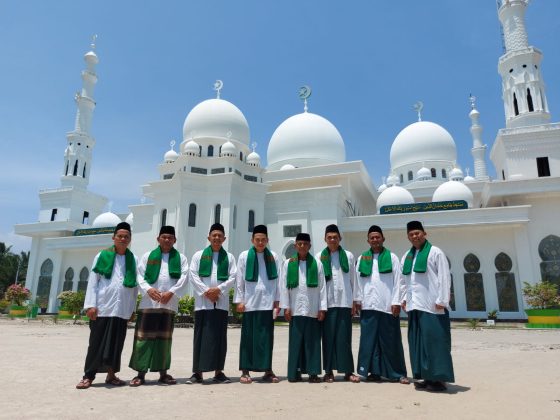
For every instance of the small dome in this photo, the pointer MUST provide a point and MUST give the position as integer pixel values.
(423, 174)
(106, 219)
(192, 148)
(170, 156)
(216, 118)
(228, 149)
(305, 139)
(394, 195)
(422, 141)
(130, 219)
(254, 159)
(382, 188)
(453, 190)
(474, 113)
(469, 178)
(456, 174)
(287, 166)
(392, 180)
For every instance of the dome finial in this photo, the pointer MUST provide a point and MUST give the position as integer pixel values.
(218, 85)
(304, 93)
(93, 39)
(418, 106)
(110, 206)
(254, 146)
(472, 100)
(172, 144)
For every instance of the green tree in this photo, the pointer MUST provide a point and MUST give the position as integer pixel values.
(12, 266)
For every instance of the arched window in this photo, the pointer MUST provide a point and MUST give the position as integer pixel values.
(433, 172)
(505, 284)
(82, 284)
(290, 250)
(45, 280)
(234, 216)
(192, 215)
(401, 178)
(217, 213)
(474, 285)
(68, 277)
(163, 220)
(241, 156)
(443, 173)
(210, 151)
(410, 176)
(251, 224)
(75, 171)
(84, 171)
(515, 106)
(530, 100)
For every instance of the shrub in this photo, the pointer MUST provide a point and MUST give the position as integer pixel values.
(542, 295)
(17, 294)
(186, 306)
(72, 302)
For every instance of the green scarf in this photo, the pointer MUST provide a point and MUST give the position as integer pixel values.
(154, 265)
(106, 261)
(205, 267)
(384, 262)
(326, 260)
(311, 272)
(252, 267)
(421, 263)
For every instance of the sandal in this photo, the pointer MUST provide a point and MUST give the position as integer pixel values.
(114, 381)
(350, 377)
(85, 383)
(404, 380)
(270, 377)
(167, 380)
(328, 377)
(314, 379)
(137, 381)
(245, 379)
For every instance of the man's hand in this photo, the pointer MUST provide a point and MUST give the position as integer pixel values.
(356, 308)
(440, 307)
(321, 315)
(154, 294)
(288, 315)
(213, 294)
(396, 310)
(240, 307)
(92, 313)
(403, 305)
(166, 297)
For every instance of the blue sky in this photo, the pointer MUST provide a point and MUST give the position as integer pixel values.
(367, 62)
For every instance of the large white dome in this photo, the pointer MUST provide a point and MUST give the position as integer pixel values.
(216, 118)
(453, 190)
(305, 139)
(106, 219)
(394, 195)
(422, 141)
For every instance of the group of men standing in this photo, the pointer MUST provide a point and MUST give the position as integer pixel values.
(319, 295)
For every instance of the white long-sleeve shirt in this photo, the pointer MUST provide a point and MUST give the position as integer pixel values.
(379, 292)
(202, 284)
(303, 300)
(259, 295)
(340, 288)
(110, 296)
(425, 290)
(164, 283)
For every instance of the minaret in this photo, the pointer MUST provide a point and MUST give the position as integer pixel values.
(523, 90)
(478, 150)
(78, 154)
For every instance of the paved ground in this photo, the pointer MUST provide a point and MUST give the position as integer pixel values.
(505, 374)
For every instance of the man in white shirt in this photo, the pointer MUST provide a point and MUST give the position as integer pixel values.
(378, 294)
(338, 266)
(303, 296)
(212, 274)
(162, 277)
(257, 295)
(109, 303)
(428, 288)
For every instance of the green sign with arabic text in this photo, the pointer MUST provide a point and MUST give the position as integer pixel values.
(422, 207)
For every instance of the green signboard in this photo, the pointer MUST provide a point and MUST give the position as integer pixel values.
(422, 207)
(94, 231)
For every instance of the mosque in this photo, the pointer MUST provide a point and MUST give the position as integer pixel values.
(496, 233)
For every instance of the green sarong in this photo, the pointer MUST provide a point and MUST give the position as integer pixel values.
(381, 351)
(429, 342)
(257, 341)
(210, 340)
(304, 348)
(337, 340)
(151, 350)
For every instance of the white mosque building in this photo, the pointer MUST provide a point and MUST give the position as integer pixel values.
(496, 233)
